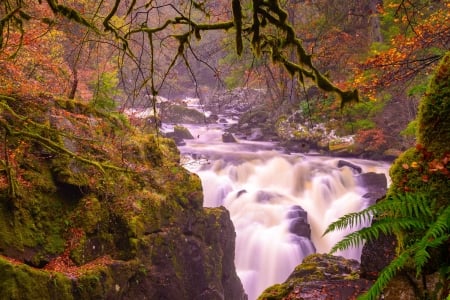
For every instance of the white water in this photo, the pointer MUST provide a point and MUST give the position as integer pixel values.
(259, 186)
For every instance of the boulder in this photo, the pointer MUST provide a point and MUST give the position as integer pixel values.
(320, 276)
(375, 184)
(179, 134)
(343, 163)
(228, 138)
(298, 146)
(256, 134)
(299, 222)
(180, 114)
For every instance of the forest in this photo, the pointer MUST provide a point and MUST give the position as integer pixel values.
(94, 201)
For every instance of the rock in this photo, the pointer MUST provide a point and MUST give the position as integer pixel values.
(377, 254)
(300, 227)
(296, 211)
(223, 121)
(298, 146)
(228, 138)
(299, 222)
(180, 114)
(124, 222)
(182, 132)
(179, 134)
(265, 197)
(213, 118)
(375, 184)
(256, 135)
(344, 163)
(320, 276)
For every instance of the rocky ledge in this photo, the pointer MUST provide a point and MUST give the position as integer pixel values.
(92, 208)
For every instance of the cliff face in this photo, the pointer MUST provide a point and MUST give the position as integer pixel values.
(91, 208)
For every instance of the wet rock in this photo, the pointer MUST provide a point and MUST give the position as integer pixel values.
(344, 163)
(241, 192)
(179, 134)
(296, 211)
(228, 138)
(298, 222)
(213, 118)
(300, 227)
(180, 114)
(375, 184)
(264, 197)
(256, 134)
(298, 146)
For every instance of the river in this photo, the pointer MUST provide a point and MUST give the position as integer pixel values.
(267, 193)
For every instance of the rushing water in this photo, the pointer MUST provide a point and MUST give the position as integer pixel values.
(260, 186)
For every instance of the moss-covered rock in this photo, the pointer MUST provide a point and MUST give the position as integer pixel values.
(320, 276)
(434, 111)
(101, 210)
(180, 114)
(426, 168)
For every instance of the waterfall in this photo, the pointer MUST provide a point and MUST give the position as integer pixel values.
(269, 195)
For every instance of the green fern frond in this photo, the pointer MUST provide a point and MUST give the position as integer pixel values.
(385, 226)
(436, 235)
(412, 206)
(409, 213)
(350, 220)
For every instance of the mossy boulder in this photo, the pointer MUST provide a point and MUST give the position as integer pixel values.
(320, 276)
(91, 208)
(180, 114)
(179, 134)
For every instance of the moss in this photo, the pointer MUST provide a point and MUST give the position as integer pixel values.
(88, 213)
(137, 215)
(23, 282)
(32, 225)
(276, 292)
(177, 114)
(434, 111)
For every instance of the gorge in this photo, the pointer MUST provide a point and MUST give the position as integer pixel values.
(280, 204)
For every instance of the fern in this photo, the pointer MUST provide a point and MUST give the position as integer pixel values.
(412, 213)
(406, 205)
(385, 226)
(436, 235)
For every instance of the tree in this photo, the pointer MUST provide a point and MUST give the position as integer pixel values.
(179, 22)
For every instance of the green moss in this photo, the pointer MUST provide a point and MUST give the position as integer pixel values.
(33, 225)
(434, 111)
(276, 292)
(88, 213)
(23, 282)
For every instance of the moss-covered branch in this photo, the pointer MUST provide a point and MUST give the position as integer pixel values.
(22, 130)
(69, 13)
(275, 15)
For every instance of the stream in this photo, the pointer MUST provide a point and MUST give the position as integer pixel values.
(280, 204)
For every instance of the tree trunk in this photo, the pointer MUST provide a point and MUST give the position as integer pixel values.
(374, 22)
(74, 84)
